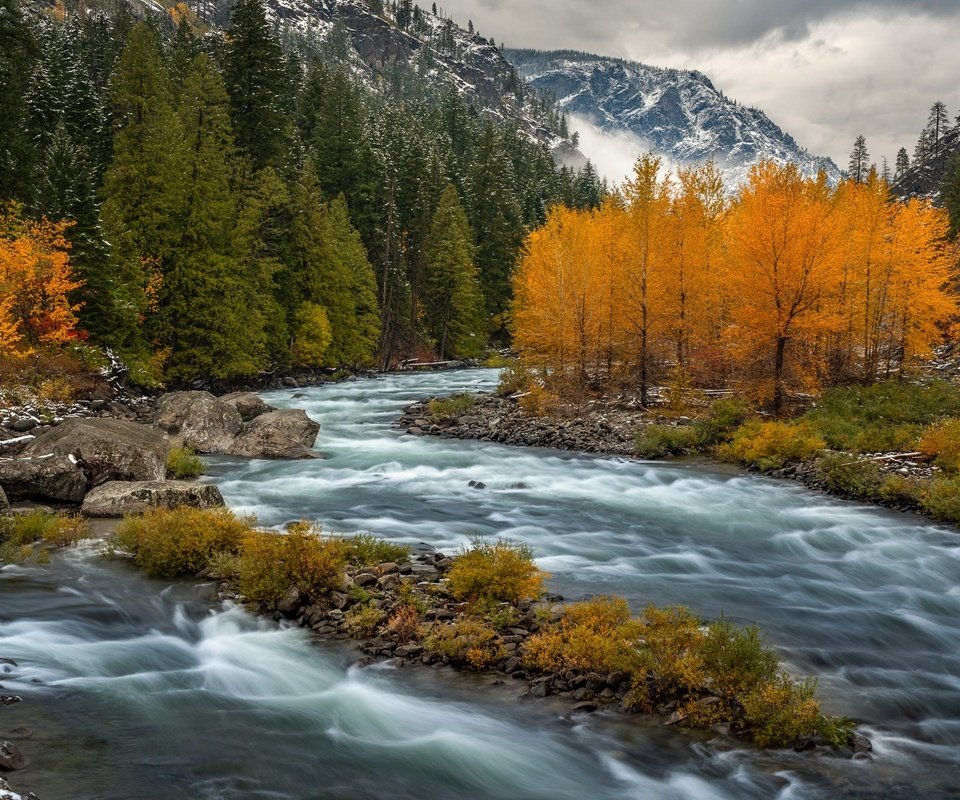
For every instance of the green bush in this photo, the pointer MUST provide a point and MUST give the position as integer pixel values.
(850, 477)
(172, 542)
(183, 464)
(513, 378)
(941, 499)
(271, 564)
(722, 420)
(901, 490)
(737, 659)
(941, 442)
(469, 641)
(659, 441)
(59, 530)
(494, 572)
(450, 407)
(771, 445)
(366, 550)
(363, 620)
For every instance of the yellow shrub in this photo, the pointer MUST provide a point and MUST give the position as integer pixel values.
(271, 564)
(672, 638)
(540, 402)
(495, 572)
(941, 442)
(781, 711)
(594, 636)
(180, 541)
(363, 620)
(468, 641)
(404, 624)
(66, 530)
(183, 463)
(770, 445)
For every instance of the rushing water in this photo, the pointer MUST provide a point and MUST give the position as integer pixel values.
(141, 689)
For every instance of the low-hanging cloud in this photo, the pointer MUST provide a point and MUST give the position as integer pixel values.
(825, 70)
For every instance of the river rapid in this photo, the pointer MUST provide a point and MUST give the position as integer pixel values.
(136, 689)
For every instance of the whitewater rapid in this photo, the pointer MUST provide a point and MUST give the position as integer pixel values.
(143, 689)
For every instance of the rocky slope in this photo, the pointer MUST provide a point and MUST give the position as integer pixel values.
(925, 179)
(678, 114)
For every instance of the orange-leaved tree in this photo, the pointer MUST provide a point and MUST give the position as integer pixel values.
(35, 285)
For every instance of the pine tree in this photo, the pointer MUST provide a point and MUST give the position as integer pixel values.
(495, 219)
(950, 192)
(937, 124)
(207, 304)
(859, 161)
(16, 54)
(454, 304)
(142, 187)
(257, 80)
(903, 163)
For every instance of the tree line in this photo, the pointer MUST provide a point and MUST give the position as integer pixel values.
(788, 285)
(232, 207)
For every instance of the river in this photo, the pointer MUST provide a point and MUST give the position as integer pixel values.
(137, 689)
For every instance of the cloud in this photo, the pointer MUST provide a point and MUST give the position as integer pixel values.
(824, 70)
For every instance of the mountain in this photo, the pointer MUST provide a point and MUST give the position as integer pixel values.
(678, 114)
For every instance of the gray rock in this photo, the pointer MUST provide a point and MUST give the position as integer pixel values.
(108, 449)
(364, 579)
(23, 425)
(860, 743)
(200, 420)
(291, 602)
(11, 757)
(52, 478)
(278, 434)
(118, 498)
(248, 404)
(4, 503)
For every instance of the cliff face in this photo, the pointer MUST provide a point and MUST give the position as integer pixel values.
(678, 114)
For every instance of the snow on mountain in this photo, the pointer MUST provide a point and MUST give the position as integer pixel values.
(677, 114)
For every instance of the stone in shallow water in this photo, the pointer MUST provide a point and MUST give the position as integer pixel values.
(200, 420)
(276, 435)
(119, 498)
(11, 758)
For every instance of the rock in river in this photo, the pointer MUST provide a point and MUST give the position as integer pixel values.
(119, 498)
(107, 449)
(200, 420)
(248, 404)
(278, 434)
(55, 477)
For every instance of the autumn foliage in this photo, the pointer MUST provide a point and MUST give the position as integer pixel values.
(35, 286)
(789, 285)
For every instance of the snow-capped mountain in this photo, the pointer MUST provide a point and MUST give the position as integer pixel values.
(677, 114)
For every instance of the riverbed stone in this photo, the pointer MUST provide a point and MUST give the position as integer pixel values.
(11, 758)
(116, 499)
(201, 421)
(55, 477)
(107, 449)
(4, 503)
(277, 435)
(249, 405)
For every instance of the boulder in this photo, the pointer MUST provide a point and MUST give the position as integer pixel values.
(4, 503)
(55, 477)
(11, 757)
(107, 449)
(118, 498)
(248, 404)
(278, 434)
(203, 422)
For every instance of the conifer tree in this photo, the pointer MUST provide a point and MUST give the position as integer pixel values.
(16, 54)
(454, 304)
(937, 124)
(950, 192)
(257, 81)
(859, 161)
(208, 305)
(902, 165)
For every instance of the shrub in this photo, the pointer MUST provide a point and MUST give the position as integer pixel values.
(658, 441)
(183, 464)
(593, 636)
(404, 624)
(60, 530)
(671, 643)
(450, 407)
(540, 402)
(941, 442)
(850, 477)
(513, 378)
(770, 445)
(65, 531)
(900, 490)
(271, 564)
(722, 420)
(941, 499)
(737, 659)
(171, 542)
(468, 641)
(499, 571)
(363, 620)
(367, 550)
(781, 711)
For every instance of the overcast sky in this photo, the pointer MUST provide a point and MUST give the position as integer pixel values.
(824, 70)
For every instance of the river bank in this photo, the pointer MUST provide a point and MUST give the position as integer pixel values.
(613, 431)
